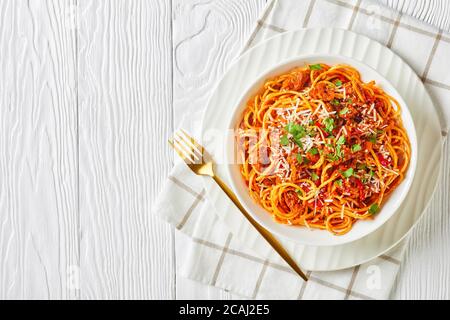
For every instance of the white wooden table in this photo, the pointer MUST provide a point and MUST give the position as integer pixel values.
(89, 92)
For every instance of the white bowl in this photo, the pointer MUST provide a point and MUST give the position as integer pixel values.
(303, 235)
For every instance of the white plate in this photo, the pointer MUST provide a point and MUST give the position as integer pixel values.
(280, 48)
(304, 235)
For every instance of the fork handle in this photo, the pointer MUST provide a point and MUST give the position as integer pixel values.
(276, 245)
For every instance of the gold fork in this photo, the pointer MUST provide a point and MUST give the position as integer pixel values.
(194, 155)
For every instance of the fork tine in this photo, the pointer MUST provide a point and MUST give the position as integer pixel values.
(185, 149)
(190, 145)
(180, 152)
(188, 157)
(192, 140)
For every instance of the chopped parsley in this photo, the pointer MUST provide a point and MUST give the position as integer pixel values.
(341, 140)
(338, 150)
(298, 142)
(284, 140)
(356, 148)
(333, 157)
(298, 131)
(315, 66)
(361, 166)
(329, 124)
(373, 138)
(348, 173)
(343, 111)
(371, 173)
(338, 182)
(299, 158)
(314, 176)
(335, 102)
(339, 143)
(374, 208)
(339, 153)
(294, 128)
(338, 83)
(313, 151)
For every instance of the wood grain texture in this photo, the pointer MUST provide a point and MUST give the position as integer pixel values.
(38, 164)
(207, 36)
(86, 92)
(125, 91)
(435, 12)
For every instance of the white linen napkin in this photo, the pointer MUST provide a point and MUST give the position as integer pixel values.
(216, 257)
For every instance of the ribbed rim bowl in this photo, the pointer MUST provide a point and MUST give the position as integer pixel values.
(303, 235)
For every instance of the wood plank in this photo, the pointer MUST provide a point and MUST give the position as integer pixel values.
(435, 12)
(124, 51)
(125, 119)
(207, 36)
(38, 155)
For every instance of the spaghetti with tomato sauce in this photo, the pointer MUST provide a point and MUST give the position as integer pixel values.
(321, 148)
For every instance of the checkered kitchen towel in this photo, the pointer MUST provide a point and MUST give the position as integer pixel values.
(218, 258)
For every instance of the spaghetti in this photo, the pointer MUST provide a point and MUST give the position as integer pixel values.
(322, 149)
